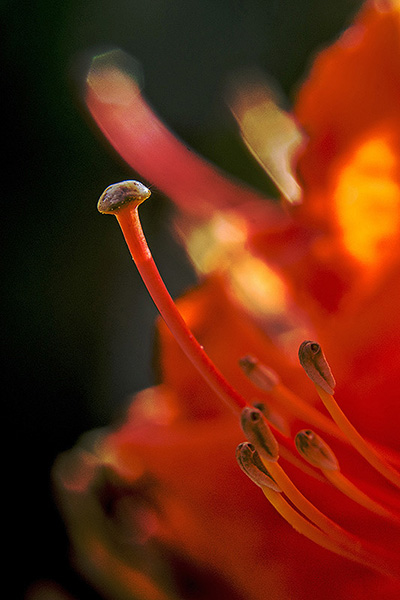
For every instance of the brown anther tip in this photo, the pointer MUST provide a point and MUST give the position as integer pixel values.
(263, 408)
(259, 374)
(118, 195)
(257, 431)
(313, 361)
(251, 464)
(248, 364)
(315, 450)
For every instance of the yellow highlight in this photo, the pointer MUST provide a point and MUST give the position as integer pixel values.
(220, 246)
(216, 244)
(258, 287)
(367, 203)
(271, 134)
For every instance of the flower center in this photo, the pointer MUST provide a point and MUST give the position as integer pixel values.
(307, 519)
(259, 458)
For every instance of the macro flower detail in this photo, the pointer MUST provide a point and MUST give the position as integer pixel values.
(264, 464)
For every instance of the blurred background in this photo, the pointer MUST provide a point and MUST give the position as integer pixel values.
(78, 322)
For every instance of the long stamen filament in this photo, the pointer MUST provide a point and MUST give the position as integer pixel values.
(131, 227)
(128, 218)
(303, 526)
(352, 491)
(316, 451)
(299, 464)
(358, 442)
(259, 472)
(255, 430)
(308, 509)
(309, 413)
(304, 411)
(313, 361)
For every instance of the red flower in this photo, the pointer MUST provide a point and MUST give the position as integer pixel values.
(157, 507)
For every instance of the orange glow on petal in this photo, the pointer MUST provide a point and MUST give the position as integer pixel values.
(352, 88)
(154, 405)
(367, 201)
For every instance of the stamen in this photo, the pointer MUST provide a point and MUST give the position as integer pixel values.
(261, 376)
(314, 363)
(352, 491)
(301, 525)
(267, 380)
(321, 529)
(251, 464)
(257, 430)
(249, 461)
(309, 510)
(315, 450)
(123, 199)
(309, 359)
(358, 442)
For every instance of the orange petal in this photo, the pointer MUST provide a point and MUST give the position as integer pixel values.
(347, 229)
(119, 109)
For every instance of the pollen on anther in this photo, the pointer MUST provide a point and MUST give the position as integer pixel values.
(251, 464)
(257, 431)
(317, 452)
(118, 195)
(314, 363)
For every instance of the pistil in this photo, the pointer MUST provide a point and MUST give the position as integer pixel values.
(260, 459)
(123, 200)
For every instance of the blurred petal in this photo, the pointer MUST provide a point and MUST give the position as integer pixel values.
(346, 231)
(198, 188)
(270, 133)
(165, 482)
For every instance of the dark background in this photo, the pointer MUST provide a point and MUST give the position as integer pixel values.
(77, 331)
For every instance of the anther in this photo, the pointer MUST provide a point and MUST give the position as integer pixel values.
(313, 361)
(250, 463)
(261, 376)
(259, 434)
(315, 450)
(118, 195)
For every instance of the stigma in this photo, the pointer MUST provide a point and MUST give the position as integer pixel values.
(118, 195)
